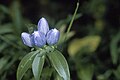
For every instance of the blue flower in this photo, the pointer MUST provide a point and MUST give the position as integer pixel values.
(27, 39)
(43, 26)
(39, 39)
(53, 36)
(42, 36)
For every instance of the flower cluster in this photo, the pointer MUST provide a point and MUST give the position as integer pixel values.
(42, 36)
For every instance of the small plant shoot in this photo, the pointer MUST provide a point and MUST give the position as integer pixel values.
(43, 41)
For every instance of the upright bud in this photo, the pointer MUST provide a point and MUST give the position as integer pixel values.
(43, 26)
(53, 36)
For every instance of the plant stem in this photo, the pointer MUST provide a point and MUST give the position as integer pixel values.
(70, 25)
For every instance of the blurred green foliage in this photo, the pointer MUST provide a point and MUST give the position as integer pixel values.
(92, 48)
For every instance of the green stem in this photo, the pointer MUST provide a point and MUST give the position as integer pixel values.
(70, 25)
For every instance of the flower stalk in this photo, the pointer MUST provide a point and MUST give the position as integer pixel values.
(70, 25)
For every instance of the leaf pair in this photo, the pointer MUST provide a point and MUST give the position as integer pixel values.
(33, 59)
(36, 61)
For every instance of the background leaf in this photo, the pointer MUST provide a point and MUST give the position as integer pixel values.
(117, 72)
(86, 72)
(4, 9)
(16, 16)
(88, 44)
(114, 48)
(7, 28)
(3, 62)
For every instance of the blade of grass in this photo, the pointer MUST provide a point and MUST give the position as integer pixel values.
(9, 42)
(70, 25)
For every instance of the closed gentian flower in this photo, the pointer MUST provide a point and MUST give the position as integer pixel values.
(43, 26)
(39, 39)
(53, 36)
(41, 36)
(27, 39)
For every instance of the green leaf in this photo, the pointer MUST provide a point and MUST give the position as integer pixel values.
(47, 72)
(114, 48)
(3, 62)
(4, 9)
(117, 72)
(106, 75)
(16, 16)
(87, 44)
(25, 64)
(58, 77)
(6, 28)
(60, 64)
(37, 66)
(86, 72)
(31, 27)
(3, 46)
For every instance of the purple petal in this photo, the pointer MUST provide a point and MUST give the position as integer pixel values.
(26, 38)
(43, 26)
(53, 36)
(39, 39)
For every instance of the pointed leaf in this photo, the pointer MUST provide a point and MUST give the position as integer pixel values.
(25, 64)
(60, 64)
(37, 66)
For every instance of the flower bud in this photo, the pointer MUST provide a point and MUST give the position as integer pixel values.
(26, 38)
(39, 39)
(43, 26)
(53, 36)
